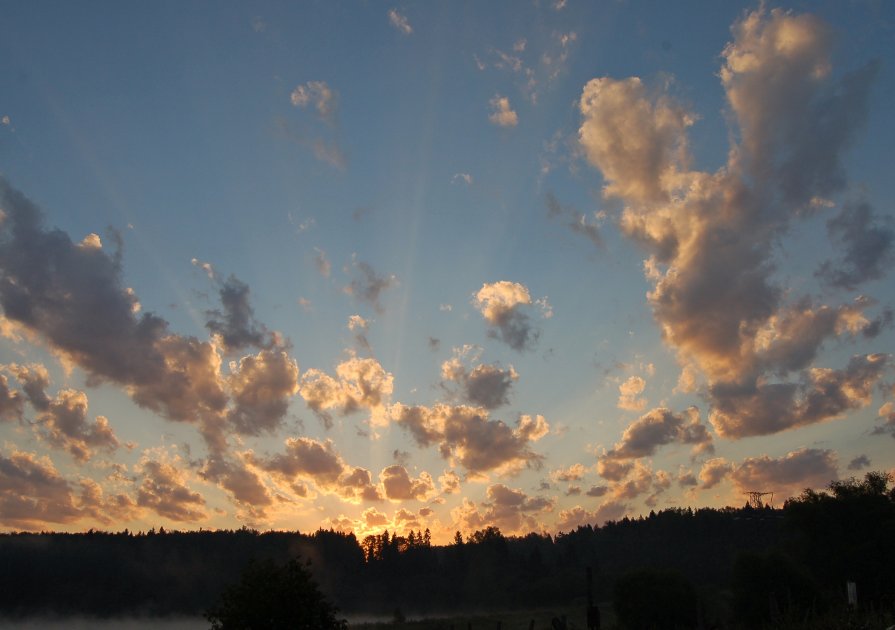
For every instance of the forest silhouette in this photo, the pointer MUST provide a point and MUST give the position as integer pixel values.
(728, 566)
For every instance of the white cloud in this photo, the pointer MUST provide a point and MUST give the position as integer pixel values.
(399, 21)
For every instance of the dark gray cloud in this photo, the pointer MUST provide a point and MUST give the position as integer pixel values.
(236, 323)
(576, 221)
(367, 285)
(859, 463)
(867, 243)
(505, 305)
(485, 385)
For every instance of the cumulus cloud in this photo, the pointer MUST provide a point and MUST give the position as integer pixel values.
(597, 491)
(72, 297)
(368, 285)
(449, 482)
(825, 394)
(510, 509)
(628, 393)
(398, 485)
(788, 475)
(711, 236)
(713, 472)
(32, 492)
(575, 472)
(11, 402)
(163, 489)
(613, 470)
(35, 380)
(638, 482)
(483, 385)
(236, 323)
(502, 114)
(319, 95)
(578, 516)
(306, 459)
(400, 22)
(469, 436)
(34, 495)
(504, 305)
(64, 424)
(658, 427)
(261, 387)
(359, 384)
(867, 242)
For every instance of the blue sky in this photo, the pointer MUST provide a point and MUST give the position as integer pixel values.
(366, 265)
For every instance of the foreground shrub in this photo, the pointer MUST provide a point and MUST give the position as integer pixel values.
(274, 597)
(655, 600)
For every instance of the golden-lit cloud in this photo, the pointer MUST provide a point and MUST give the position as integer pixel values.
(398, 485)
(788, 475)
(710, 235)
(504, 304)
(502, 114)
(359, 384)
(510, 509)
(261, 387)
(658, 427)
(467, 434)
(162, 487)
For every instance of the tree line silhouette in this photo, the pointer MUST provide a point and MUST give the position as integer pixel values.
(755, 565)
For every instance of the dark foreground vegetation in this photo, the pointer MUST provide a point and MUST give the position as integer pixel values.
(677, 568)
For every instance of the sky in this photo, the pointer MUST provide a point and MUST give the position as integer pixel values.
(366, 266)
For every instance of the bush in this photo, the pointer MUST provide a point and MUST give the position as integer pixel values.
(655, 600)
(274, 597)
(771, 588)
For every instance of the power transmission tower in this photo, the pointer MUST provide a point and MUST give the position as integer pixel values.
(755, 499)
